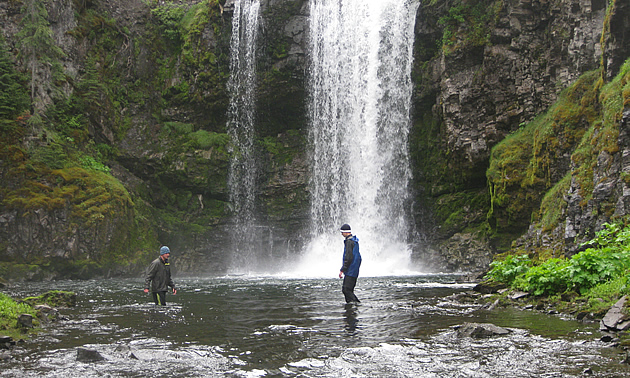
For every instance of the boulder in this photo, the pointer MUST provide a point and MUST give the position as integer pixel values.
(518, 295)
(480, 330)
(88, 355)
(489, 287)
(6, 342)
(25, 320)
(46, 313)
(615, 319)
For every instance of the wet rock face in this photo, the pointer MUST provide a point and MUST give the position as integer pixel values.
(6, 342)
(617, 42)
(479, 93)
(611, 193)
(486, 92)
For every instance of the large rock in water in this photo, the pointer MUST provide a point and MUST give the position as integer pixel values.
(25, 320)
(88, 355)
(480, 330)
(615, 320)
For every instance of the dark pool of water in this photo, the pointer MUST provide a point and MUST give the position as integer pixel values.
(270, 326)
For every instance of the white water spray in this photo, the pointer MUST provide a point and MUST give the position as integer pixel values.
(359, 111)
(241, 129)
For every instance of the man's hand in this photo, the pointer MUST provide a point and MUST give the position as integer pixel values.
(146, 290)
(340, 274)
(174, 291)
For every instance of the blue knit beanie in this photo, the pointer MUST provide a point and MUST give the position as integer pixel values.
(164, 250)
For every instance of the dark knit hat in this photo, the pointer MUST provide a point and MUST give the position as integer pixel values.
(345, 228)
(164, 250)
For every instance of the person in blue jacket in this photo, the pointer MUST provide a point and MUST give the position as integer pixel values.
(351, 264)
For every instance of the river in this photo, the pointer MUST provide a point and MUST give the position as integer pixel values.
(263, 326)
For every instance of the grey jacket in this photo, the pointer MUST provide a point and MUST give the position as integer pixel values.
(159, 276)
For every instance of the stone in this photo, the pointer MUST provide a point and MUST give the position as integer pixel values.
(615, 318)
(46, 313)
(88, 355)
(25, 320)
(518, 295)
(5, 356)
(480, 330)
(489, 287)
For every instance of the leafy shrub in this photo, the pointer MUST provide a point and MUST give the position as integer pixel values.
(547, 278)
(169, 17)
(9, 312)
(205, 140)
(603, 295)
(594, 266)
(611, 235)
(509, 268)
(89, 163)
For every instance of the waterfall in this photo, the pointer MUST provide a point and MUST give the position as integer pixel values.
(360, 87)
(244, 170)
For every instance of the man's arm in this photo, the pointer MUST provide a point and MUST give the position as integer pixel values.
(151, 271)
(348, 256)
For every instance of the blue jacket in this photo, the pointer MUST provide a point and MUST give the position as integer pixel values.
(351, 257)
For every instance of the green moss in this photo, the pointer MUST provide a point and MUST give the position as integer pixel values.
(95, 196)
(16, 271)
(53, 298)
(468, 24)
(202, 139)
(461, 211)
(527, 163)
(284, 148)
(9, 312)
(553, 204)
(604, 132)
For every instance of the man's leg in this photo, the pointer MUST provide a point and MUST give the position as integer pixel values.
(160, 298)
(348, 289)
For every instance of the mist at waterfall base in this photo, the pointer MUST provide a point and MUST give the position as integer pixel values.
(360, 87)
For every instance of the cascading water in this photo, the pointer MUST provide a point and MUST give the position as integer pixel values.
(241, 118)
(359, 111)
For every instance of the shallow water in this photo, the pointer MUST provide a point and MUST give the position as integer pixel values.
(269, 326)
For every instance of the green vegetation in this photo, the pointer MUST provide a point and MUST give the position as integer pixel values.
(53, 298)
(468, 24)
(526, 184)
(9, 312)
(525, 164)
(37, 46)
(14, 99)
(599, 274)
(126, 79)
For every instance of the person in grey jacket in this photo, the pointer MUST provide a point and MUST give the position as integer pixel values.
(158, 277)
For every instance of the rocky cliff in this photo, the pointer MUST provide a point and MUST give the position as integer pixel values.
(125, 146)
(499, 70)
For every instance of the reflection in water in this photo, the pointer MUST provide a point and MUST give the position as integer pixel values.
(266, 326)
(350, 317)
